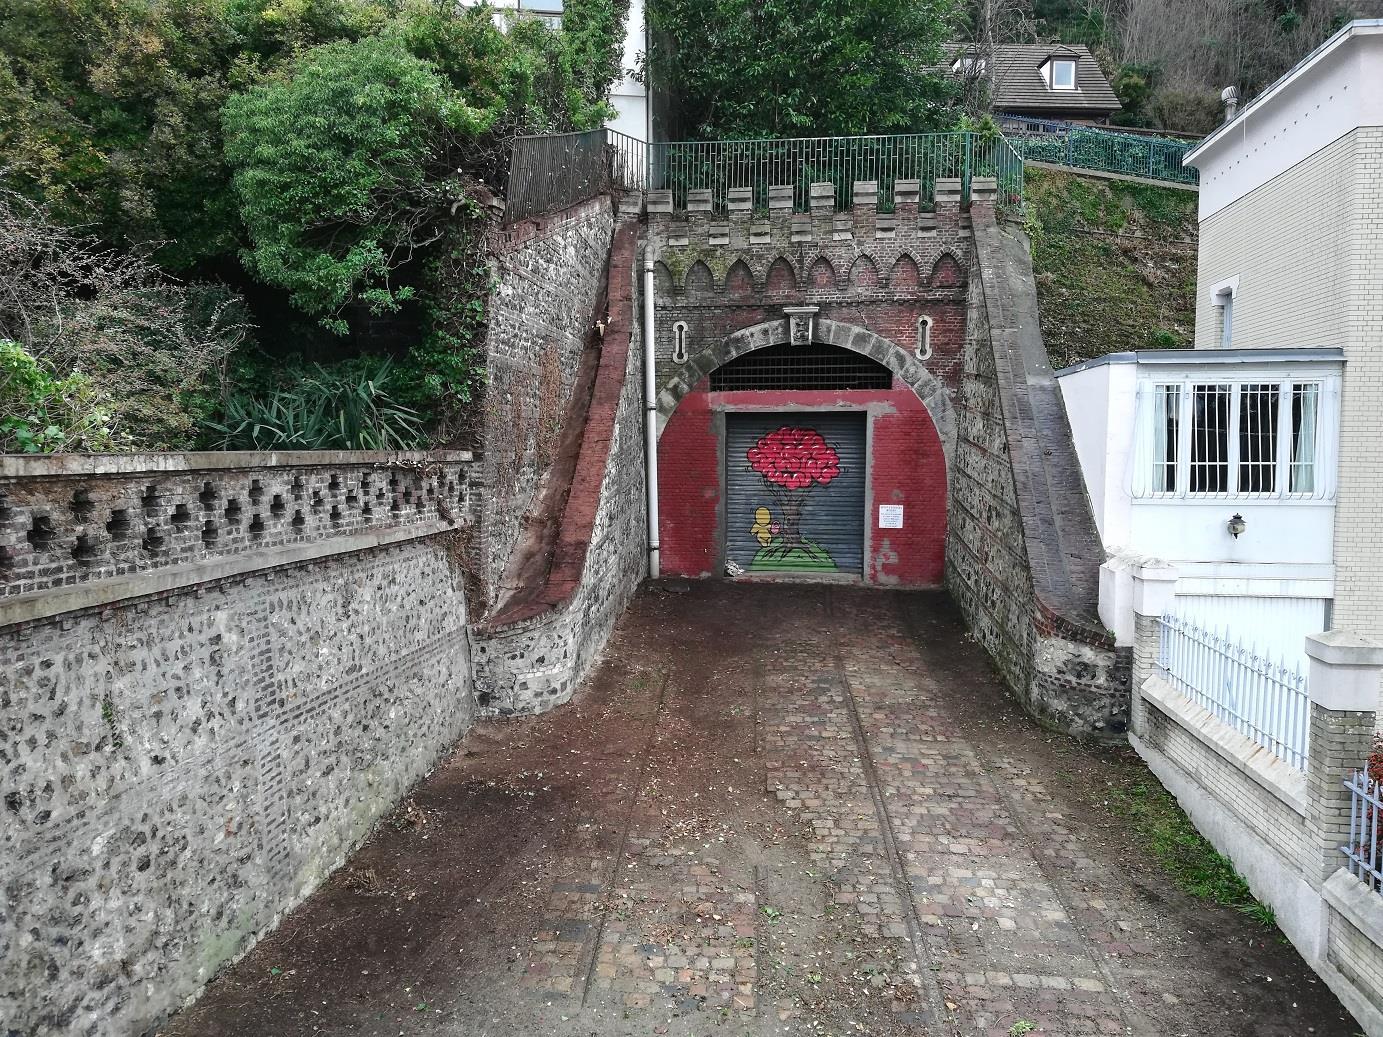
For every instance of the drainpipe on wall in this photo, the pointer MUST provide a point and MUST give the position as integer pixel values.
(650, 396)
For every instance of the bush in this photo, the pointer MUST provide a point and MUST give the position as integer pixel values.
(146, 346)
(349, 406)
(44, 414)
(343, 169)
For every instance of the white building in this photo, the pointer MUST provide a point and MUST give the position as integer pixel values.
(629, 95)
(1274, 422)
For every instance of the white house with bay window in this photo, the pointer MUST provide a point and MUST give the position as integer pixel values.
(1223, 464)
(1253, 463)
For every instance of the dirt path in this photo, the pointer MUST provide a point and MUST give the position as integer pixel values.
(774, 810)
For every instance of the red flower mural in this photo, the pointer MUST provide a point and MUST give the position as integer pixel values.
(795, 458)
(793, 461)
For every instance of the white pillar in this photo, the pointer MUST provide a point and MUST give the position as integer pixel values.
(1343, 686)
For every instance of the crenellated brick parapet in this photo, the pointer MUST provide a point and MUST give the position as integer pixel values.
(901, 275)
(80, 530)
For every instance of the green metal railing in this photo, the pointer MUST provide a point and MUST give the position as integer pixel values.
(548, 173)
(718, 166)
(1102, 149)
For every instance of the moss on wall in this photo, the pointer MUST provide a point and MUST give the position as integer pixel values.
(1115, 264)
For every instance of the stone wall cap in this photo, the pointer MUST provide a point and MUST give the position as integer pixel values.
(34, 466)
(1345, 648)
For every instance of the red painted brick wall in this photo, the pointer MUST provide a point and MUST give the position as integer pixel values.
(907, 466)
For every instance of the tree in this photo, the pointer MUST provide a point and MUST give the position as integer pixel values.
(344, 168)
(783, 68)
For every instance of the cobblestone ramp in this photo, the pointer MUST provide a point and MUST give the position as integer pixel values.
(774, 810)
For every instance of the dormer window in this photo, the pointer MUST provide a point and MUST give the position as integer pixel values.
(1061, 73)
(968, 65)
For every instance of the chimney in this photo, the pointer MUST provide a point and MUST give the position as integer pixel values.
(1229, 97)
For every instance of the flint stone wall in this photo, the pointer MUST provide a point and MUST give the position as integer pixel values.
(547, 274)
(203, 731)
(1023, 553)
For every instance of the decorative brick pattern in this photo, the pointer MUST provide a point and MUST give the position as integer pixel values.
(72, 520)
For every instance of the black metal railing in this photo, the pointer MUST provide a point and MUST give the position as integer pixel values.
(551, 172)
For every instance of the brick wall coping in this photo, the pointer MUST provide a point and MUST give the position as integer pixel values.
(573, 537)
(36, 466)
(1281, 780)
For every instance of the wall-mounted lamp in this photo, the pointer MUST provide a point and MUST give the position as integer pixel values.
(1236, 525)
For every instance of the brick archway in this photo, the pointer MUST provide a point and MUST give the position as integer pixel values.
(902, 363)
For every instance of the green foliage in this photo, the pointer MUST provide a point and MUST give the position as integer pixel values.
(337, 170)
(349, 406)
(342, 141)
(782, 68)
(594, 30)
(45, 414)
(1134, 85)
(1172, 840)
(1115, 264)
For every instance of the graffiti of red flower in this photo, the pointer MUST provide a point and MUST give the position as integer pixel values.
(794, 458)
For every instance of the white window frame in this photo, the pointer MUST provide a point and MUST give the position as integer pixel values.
(1322, 482)
(1222, 296)
(1052, 64)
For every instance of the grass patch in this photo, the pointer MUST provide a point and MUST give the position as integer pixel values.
(1194, 865)
(1115, 264)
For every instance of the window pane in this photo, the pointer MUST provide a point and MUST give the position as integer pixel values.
(1064, 73)
(1209, 438)
(541, 6)
(1305, 401)
(1258, 438)
(1166, 426)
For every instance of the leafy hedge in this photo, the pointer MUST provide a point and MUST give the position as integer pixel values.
(329, 160)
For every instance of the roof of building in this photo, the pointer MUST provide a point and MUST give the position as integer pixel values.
(1347, 33)
(1020, 86)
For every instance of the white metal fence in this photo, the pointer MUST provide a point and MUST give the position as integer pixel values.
(1263, 700)
(1363, 850)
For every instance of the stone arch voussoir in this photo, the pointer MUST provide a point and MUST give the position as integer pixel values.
(900, 361)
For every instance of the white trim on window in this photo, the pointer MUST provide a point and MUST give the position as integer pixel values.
(1249, 439)
(1061, 73)
(1222, 295)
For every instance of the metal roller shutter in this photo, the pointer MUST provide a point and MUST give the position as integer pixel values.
(794, 498)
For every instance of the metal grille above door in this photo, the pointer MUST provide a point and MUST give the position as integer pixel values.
(817, 366)
(794, 499)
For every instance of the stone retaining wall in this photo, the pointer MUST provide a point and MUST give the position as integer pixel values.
(1023, 553)
(548, 276)
(534, 652)
(203, 717)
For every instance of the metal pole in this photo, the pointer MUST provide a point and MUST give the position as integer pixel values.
(650, 395)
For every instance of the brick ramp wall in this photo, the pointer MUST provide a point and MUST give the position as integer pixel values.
(535, 650)
(196, 736)
(1023, 553)
(548, 278)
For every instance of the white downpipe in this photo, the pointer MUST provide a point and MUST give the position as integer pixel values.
(650, 396)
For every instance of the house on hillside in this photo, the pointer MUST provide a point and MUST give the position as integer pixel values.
(1046, 81)
(1254, 462)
